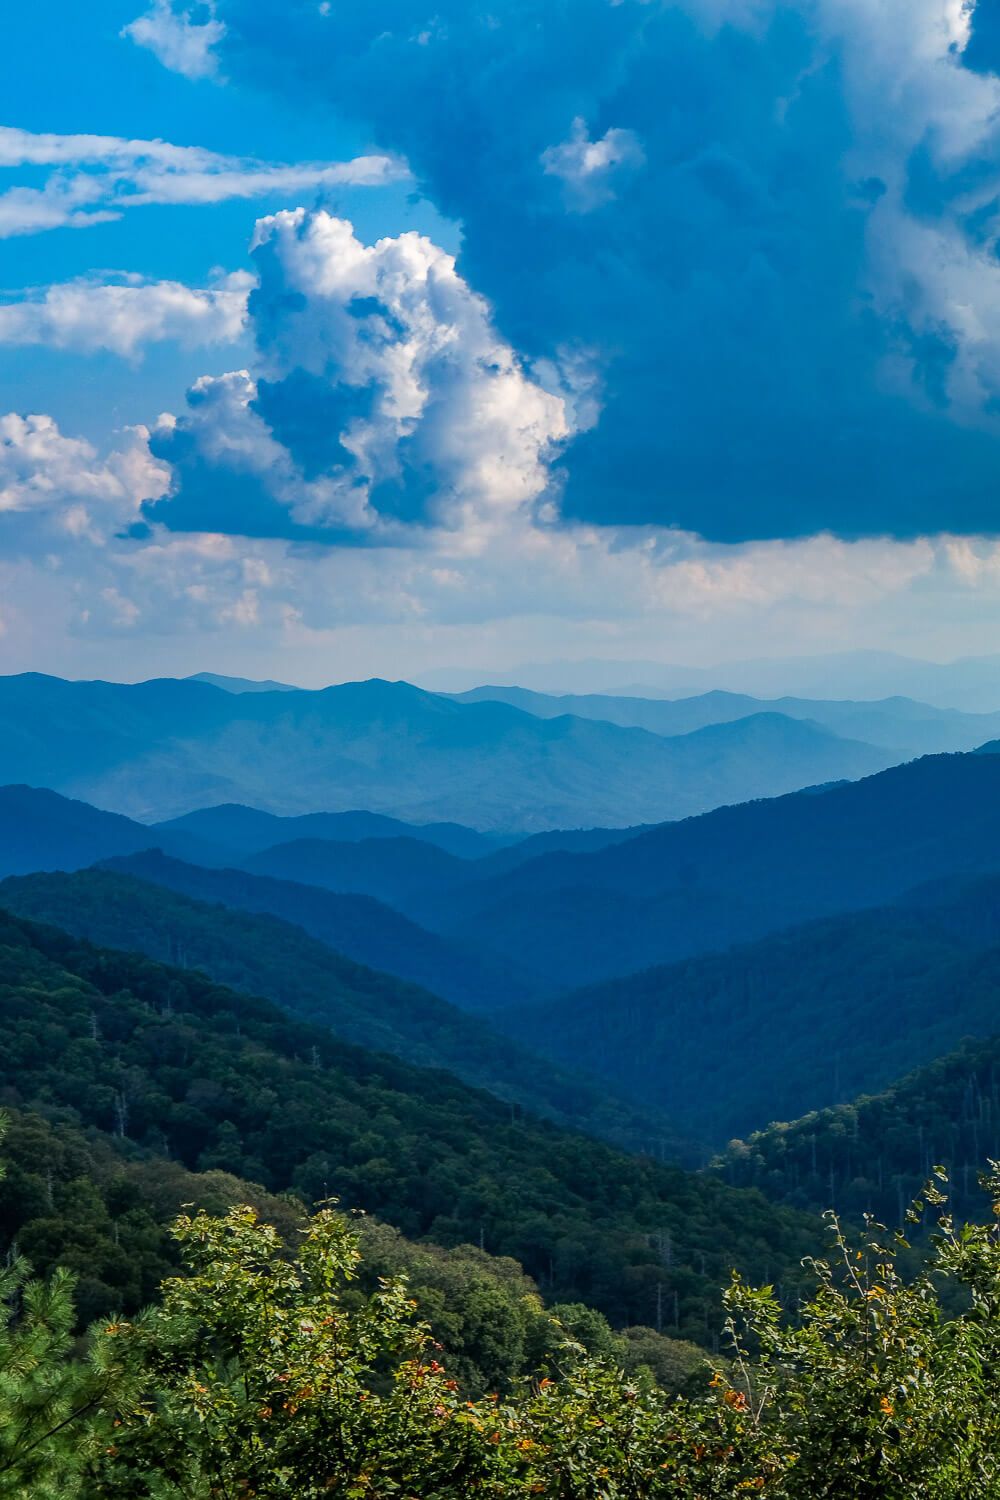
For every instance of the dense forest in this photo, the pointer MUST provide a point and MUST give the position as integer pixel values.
(166, 1064)
(79, 1200)
(263, 955)
(359, 927)
(810, 1017)
(873, 1154)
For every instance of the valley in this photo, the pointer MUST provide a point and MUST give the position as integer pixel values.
(578, 1076)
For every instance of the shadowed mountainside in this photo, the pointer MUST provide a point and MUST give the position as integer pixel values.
(363, 929)
(735, 874)
(800, 1020)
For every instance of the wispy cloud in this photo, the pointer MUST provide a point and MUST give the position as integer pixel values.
(96, 178)
(591, 169)
(177, 40)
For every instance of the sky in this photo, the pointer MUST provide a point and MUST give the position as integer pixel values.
(356, 337)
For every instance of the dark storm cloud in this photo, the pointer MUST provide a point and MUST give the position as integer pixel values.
(685, 201)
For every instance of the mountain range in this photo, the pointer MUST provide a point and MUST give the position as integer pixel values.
(970, 683)
(160, 749)
(505, 1028)
(574, 916)
(899, 724)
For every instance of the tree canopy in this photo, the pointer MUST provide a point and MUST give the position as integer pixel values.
(265, 1373)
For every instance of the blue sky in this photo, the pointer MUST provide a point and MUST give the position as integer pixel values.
(376, 335)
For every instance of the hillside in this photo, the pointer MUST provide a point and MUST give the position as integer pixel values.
(262, 955)
(804, 1019)
(875, 1153)
(736, 874)
(178, 1066)
(160, 749)
(40, 830)
(390, 870)
(359, 927)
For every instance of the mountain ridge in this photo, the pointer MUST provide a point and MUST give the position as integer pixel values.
(160, 749)
(895, 723)
(362, 928)
(737, 873)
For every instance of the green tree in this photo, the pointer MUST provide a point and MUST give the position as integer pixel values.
(269, 1376)
(54, 1407)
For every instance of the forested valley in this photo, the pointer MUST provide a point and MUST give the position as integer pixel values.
(323, 1173)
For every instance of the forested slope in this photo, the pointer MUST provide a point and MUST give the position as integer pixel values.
(800, 1020)
(875, 1154)
(262, 955)
(173, 1065)
(360, 927)
(736, 874)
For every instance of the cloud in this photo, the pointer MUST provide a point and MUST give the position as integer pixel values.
(590, 169)
(228, 474)
(122, 316)
(716, 368)
(383, 399)
(179, 42)
(390, 461)
(67, 486)
(96, 178)
(77, 579)
(792, 298)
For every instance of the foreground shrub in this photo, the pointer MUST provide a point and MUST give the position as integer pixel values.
(261, 1375)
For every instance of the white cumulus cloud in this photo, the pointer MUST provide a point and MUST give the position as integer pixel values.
(123, 315)
(81, 492)
(386, 395)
